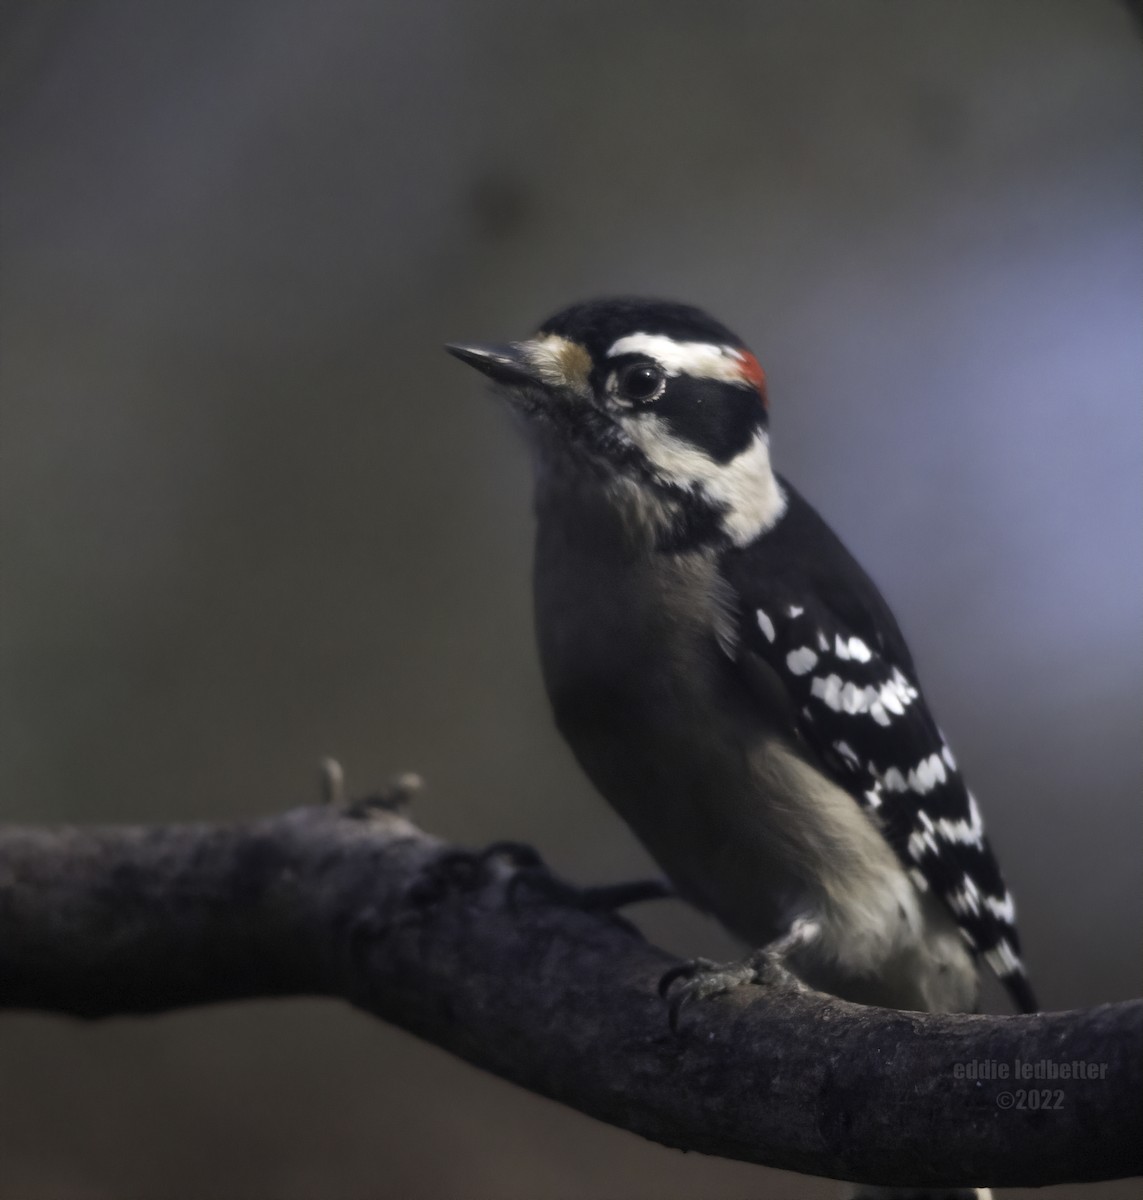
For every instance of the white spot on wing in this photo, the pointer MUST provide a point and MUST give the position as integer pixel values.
(847, 752)
(1002, 908)
(859, 651)
(1002, 959)
(921, 843)
(927, 774)
(796, 610)
(966, 832)
(801, 660)
(852, 648)
(894, 781)
(828, 691)
(891, 699)
(765, 624)
(966, 900)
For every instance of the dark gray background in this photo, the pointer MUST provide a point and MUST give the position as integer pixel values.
(252, 514)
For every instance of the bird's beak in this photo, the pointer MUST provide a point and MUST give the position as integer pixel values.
(506, 364)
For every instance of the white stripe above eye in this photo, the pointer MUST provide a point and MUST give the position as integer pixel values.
(700, 360)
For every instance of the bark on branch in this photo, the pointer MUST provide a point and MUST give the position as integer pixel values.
(358, 903)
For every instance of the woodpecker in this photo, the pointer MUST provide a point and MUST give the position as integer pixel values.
(730, 678)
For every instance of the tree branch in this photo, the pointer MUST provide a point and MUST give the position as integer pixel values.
(358, 903)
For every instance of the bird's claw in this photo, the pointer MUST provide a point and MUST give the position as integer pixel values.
(602, 898)
(609, 896)
(701, 978)
(470, 869)
(527, 868)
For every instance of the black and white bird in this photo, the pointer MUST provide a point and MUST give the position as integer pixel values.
(730, 678)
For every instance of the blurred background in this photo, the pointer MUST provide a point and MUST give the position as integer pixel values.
(252, 514)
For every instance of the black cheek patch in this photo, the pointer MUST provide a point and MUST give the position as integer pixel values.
(719, 418)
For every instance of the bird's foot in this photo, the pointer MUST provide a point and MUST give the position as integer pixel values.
(700, 978)
(602, 898)
(609, 896)
(529, 873)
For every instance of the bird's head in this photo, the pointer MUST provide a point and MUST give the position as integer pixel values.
(647, 395)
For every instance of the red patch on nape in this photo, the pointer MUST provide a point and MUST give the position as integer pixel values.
(752, 371)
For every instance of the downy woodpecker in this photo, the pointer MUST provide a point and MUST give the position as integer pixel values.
(730, 678)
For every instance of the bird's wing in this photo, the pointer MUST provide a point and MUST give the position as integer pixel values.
(860, 712)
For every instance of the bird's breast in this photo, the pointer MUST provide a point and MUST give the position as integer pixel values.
(656, 715)
(702, 764)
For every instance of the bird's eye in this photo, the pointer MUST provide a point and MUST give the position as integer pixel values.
(640, 383)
